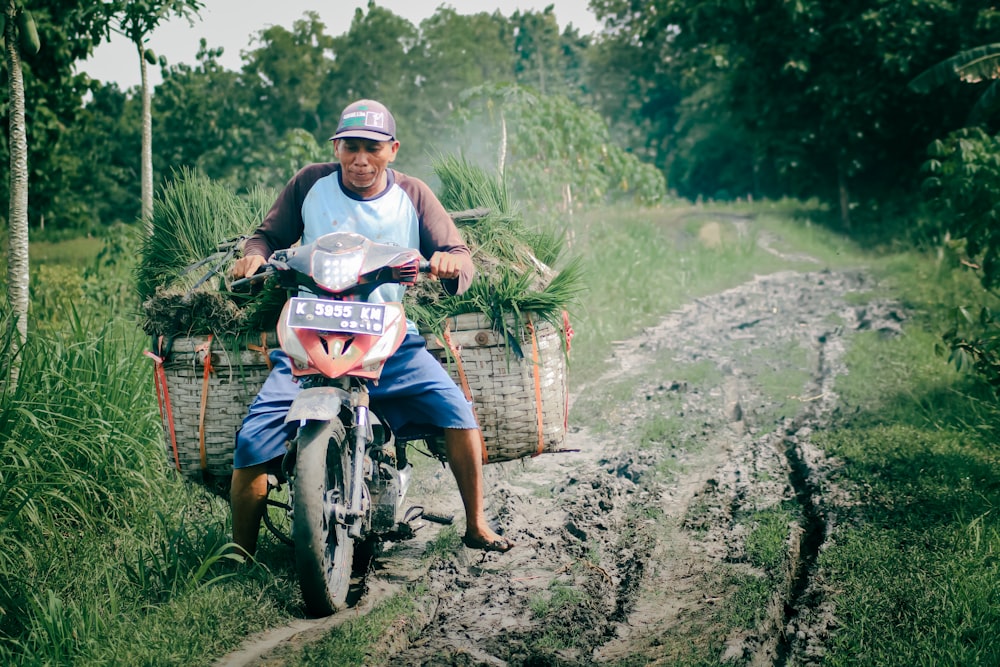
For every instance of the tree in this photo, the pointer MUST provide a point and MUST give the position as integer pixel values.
(963, 182)
(536, 43)
(643, 107)
(816, 91)
(461, 51)
(65, 42)
(136, 20)
(206, 119)
(19, 32)
(286, 77)
(561, 155)
(106, 178)
(54, 95)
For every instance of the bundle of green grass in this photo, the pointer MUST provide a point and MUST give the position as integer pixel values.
(515, 272)
(198, 226)
(196, 233)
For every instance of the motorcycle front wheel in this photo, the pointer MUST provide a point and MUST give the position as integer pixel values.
(323, 549)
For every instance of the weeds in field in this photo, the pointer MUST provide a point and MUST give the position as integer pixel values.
(446, 543)
(767, 543)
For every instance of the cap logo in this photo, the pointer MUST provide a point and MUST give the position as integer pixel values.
(366, 119)
(363, 119)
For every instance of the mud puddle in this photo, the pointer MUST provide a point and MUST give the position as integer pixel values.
(632, 548)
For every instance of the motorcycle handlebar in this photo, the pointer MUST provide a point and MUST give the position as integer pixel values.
(243, 283)
(264, 271)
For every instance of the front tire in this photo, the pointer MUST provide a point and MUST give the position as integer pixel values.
(323, 549)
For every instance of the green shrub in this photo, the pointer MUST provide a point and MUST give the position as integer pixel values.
(963, 187)
(974, 343)
(559, 156)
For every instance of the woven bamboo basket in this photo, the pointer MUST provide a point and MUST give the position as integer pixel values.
(204, 387)
(520, 401)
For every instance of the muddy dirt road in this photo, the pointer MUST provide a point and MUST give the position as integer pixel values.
(684, 527)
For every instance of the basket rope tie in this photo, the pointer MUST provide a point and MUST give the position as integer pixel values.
(163, 398)
(464, 381)
(535, 365)
(205, 347)
(262, 349)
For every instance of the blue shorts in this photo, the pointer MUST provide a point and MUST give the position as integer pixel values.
(414, 389)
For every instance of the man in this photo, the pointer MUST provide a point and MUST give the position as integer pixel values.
(360, 193)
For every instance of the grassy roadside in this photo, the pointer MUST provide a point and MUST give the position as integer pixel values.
(104, 559)
(916, 565)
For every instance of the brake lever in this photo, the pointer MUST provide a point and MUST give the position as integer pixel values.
(243, 284)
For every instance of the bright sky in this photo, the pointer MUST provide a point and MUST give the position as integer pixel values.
(230, 24)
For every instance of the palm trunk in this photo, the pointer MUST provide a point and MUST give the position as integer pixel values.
(147, 144)
(17, 264)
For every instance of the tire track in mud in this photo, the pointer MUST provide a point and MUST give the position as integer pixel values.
(772, 461)
(621, 542)
(641, 553)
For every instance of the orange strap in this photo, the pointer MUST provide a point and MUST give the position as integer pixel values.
(262, 348)
(464, 381)
(163, 398)
(535, 366)
(205, 347)
(569, 333)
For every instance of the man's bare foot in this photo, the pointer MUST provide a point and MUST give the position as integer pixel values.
(490, 542)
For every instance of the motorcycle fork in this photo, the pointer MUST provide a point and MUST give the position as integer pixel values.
(362, 428)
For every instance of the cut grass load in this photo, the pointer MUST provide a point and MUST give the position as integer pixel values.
(198, 226)
(516, 272)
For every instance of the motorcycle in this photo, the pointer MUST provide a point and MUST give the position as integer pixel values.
(347, 472)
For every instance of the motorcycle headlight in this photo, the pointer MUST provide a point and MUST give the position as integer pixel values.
(337, 272)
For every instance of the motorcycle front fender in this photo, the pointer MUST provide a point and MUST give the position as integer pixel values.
(318, 404)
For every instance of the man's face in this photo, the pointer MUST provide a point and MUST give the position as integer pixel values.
(363, 163)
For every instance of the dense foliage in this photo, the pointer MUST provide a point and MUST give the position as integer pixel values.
(727, 99)
(801, 98)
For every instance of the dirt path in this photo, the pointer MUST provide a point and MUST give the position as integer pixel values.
(632, 548)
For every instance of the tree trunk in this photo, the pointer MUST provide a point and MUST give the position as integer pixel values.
(17, 264)
(502, 161)
(845, 199)
(147, 144)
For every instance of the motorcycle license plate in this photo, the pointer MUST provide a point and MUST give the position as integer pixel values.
(341, 316)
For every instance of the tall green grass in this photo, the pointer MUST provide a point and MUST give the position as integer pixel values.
(193, 216)
(99, 542)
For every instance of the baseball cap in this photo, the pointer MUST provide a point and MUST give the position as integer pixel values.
(366, 119)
